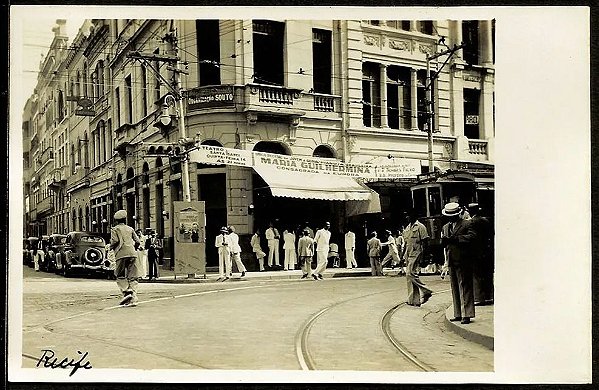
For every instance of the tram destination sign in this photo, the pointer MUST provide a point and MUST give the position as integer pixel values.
(212, 96)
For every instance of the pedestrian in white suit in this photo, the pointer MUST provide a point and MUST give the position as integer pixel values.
(322, 238)
(289, 248)
(236, 250)
(223, 243)
(272, 236)
(350, 248)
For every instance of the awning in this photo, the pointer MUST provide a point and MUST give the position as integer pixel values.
(313, 185)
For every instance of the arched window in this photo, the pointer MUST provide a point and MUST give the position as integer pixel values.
(324, 151)
(80, 226)
(272, 147)
(101, 77)
(145, 173)
(158, 168)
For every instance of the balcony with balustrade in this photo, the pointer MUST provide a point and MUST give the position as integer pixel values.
(260, 99)
(476, 150)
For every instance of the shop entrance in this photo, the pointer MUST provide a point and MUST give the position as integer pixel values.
(291, 213)
(212, 190)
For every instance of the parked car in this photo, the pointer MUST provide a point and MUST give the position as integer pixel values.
(55, 243)
(83, 251)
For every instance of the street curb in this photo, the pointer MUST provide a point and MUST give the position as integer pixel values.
(484, 340)
(208, 279)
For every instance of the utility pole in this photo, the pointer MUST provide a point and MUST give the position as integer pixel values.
(429, 100)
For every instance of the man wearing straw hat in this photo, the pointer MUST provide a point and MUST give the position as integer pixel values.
(457, 237)
(224, 245)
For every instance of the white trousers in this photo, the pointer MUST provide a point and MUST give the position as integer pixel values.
(290, 259)
(224, 262)
(321, 262)
(273, 252)
(350, 258)
(307, 266)
(36, 259)
(237, 258)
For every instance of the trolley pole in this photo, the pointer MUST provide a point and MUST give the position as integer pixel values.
(429, 99)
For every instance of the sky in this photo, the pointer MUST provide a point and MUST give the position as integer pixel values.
(36, 36)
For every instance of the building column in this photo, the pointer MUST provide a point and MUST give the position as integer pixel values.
(413, 25)
(487, 127)
(414, 98)
(486, 42)
(458, 38)
(383, 89)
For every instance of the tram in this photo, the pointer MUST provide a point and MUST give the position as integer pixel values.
(434, 190)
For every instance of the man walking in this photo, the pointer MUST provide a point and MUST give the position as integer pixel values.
(272, 236)
(236, 250)
(416, 238)
(322, 239)
(257, 249)
(124, 242)
(350, 248)
(393, 254)
(223, 243)
(457, 236)
(305, 250)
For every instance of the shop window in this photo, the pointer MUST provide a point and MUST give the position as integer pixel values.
(371, 95)
(323, 151)
(398, 97)
(470, 38)
(268, 50)
(208, 51)
(321, 60)
(471, 113)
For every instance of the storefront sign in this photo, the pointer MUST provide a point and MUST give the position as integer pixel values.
(215, 96)
(401, 168)
(218, 155)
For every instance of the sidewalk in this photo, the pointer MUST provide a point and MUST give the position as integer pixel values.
(168, 276)
(480, 330)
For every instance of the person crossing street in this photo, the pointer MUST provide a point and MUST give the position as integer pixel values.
(124, 242)
(236, 250)
(416, 238)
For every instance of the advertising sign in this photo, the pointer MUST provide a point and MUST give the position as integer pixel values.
(401, 168)
(190, 238)
(213, 96)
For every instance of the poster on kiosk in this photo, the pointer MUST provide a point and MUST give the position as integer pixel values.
(190, 238)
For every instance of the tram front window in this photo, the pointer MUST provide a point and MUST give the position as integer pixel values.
(420, 202)
(434, 201)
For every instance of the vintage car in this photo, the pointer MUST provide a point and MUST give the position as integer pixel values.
(85, 252)
(54, 245)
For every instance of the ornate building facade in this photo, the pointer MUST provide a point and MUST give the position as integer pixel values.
(104, 128)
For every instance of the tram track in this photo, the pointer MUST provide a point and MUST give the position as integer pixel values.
(304, 355)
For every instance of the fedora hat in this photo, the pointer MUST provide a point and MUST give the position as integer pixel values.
(451, 209)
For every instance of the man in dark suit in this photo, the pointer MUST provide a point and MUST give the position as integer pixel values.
(483, 257)
(457, 237)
